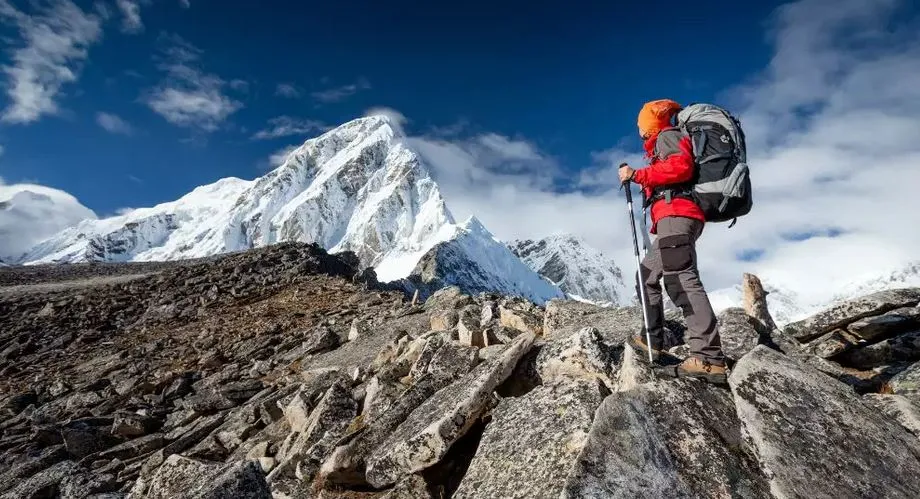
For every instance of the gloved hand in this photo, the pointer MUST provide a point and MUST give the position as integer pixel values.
(626, 173)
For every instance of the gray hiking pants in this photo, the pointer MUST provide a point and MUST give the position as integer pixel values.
(673, 260)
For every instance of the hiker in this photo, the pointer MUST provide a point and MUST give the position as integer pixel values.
(677, 221)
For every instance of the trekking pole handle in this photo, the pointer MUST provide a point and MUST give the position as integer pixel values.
(625, 186)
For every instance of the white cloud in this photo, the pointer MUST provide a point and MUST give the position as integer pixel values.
(50, 54)
(185, 4)
(239, 85)
(189, 97)
(397, 119)
(114, 124)
(287, 90)
(31, 213)
(131, 12)
(338, 94)
(1, 155)
(284, 126)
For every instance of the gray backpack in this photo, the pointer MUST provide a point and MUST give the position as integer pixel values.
(721, 185)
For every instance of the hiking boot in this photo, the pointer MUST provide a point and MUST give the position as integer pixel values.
(638, 342)
(693, 367)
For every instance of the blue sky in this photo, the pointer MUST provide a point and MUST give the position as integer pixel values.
(522, 109)
(568, 80)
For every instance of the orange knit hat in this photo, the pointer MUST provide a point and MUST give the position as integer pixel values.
(655, 116)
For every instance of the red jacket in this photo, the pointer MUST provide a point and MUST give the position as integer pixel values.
(671, 156)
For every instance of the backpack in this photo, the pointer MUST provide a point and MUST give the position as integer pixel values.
(721, 185)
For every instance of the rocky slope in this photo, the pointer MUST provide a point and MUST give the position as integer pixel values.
(287, 372)
(356, 188)
(580, 271)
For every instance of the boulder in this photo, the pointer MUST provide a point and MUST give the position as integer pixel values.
(379, 396)
(82, 439)
(882, 326)
(899, 408)
(520, 320)
(832, 344)
(902, 348)
(532, 442)
(739, 336)
(426, 435)
(450, 297)
(443, 320)
(134, 448)
(409, 487)
(675, 438)
(564, 318)
(134, 425)
(634, 370)
(195, 479)
(358, 329)
(850, 311)
(814, 435)
(469, 331)
(326, 425)
(907, 382)
(319, 339)
(47, 483)
(30, 464)
(583, 355)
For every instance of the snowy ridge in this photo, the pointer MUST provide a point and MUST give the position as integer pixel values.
(581, 271)
(355, 188)
(474, 260)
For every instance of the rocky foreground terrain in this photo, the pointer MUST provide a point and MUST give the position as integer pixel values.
(287, 372)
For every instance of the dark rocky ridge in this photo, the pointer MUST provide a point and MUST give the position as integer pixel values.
(288, 372)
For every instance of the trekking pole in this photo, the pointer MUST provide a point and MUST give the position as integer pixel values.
(641, 279)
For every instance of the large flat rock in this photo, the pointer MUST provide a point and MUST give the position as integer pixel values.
(851, 311)
(194, 479)
(907, 382)
(675, 438)
(427, 434)
(532, 442)
(815, 437)
(899, 408)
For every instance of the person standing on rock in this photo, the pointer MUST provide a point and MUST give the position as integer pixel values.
(678, 222)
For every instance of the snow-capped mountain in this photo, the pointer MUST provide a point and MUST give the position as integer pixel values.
(355, 188)
(30, 213)
(473, 259)
(581, 271)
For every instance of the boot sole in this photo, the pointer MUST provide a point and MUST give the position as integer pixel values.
(674, 372)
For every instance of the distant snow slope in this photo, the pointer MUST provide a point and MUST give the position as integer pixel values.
(30, 213)
(582, 272)
(355, 188)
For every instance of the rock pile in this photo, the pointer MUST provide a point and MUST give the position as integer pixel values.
(293, 380)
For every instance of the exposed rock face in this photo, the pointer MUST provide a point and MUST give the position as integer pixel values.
(850, 311)
(532, 443)
(425, 437)
(666, 439)
(232, 377)
(847, 446)
(183, 477)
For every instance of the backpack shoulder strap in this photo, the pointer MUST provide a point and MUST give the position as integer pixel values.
(668, 142)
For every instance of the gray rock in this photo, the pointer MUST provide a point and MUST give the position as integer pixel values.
(443, 320)
(737, 332)
(907, 382)
(297, 412)
(490, 352)
(583, 355)
(520, 320)
(242, 391)
(379, 396)
(81, 439)
(346, 464)
(320, 339)
(488, 313)
(832, 344)
(450, 297)
(326, 425)
(409, 487)
(28, 465)
(892, 323)
(676, 438)
(424, 438)
(634, 371)
(358, 329)
(134, 448)
(532, 442)
(195, 479)
(814, 436)
(133, 425)
(902, 348)
(850, 311)
(564, 318)
(898, 408)
(45, 483)
(468, 329)
(207, 402)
